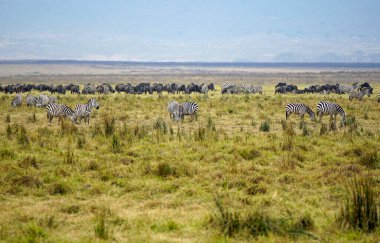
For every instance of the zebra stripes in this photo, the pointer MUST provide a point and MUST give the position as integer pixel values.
(42, 100)
(191, 109)
(300, 109)
(31, 100)
(17, 101)
(332, 109)
(60, 111)
(359, 94)
(84, 110)
(228, 88)
(176, 111)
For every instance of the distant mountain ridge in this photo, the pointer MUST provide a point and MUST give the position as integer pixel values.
(203, 64)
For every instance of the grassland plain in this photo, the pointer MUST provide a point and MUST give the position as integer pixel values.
(238, 173)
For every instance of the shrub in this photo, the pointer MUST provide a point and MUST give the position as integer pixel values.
(58, 188)
(360, 209)
(264, 126)
(165, 170)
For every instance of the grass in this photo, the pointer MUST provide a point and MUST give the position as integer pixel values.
(276, 180)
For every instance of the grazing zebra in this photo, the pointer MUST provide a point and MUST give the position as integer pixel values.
(225, 87)
(359, 94)
(17, 101)
(59, 110)
(332, 109)
(52, 100)
(31, 100)
(191, 109)
(84, 110)
(299, 109)
(42, 100)
(176, 111)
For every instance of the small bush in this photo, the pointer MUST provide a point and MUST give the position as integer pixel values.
(59, 188)
(264, 126)
(165, 170)
(360, 210)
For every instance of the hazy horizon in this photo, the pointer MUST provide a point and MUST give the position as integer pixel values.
(187, 31)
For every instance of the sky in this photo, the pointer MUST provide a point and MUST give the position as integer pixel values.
(191, 30)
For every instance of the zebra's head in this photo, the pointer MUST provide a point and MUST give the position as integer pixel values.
(93, 103)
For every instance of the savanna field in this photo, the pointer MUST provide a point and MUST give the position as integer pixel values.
(240, 172)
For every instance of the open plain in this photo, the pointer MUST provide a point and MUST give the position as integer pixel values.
(240, 172)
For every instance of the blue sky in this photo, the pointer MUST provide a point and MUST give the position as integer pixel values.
(197, 30)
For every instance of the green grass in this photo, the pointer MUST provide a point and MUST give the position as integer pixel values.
(134, 175)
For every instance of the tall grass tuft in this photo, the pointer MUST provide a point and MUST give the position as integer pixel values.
(32, 118)
(100, 228)
(22, 136)
(8, 119)
(160, 125)
(69, 157)
(116, 144)
(109, 125)
(360, 210)
(264, 126)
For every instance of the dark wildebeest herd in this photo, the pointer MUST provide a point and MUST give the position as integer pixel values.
(176, 110)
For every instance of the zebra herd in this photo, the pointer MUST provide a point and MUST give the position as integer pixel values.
(323, 108)
(177, 111)
(228, 88)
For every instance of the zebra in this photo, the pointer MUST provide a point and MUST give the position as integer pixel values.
(176, 111)
(84, 110)
(300, 109)
(52, 100)
(359, 94)
(59, 110)
(31, 100)
(42, 100)
(191, 109)
(225, 87)
(17, 101)
(344, 89)
(332, 109)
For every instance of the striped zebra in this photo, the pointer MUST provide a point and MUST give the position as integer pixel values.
(332, 109)
(84, 110)
(17, 101)
(31, 100)
(176, 110)
(359, 94)
(42, 100)
(300, 109)
(60, 111)
(225, 87)
(191, 109)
